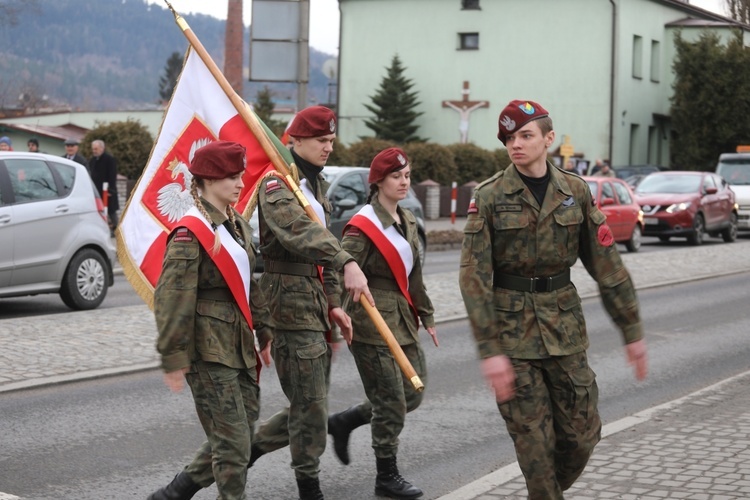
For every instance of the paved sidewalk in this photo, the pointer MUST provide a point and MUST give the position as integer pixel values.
(695, 448)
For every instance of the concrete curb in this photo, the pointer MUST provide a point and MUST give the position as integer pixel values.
(512, 471)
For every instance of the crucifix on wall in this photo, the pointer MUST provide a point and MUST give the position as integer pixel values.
(464, 107)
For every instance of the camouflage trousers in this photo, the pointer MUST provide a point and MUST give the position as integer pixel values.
(303, 363)
(390, 395)
(553, 421)
(228, 402)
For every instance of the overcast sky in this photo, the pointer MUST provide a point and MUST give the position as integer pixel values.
(324, 16)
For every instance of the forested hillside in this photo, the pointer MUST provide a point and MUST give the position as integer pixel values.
(107, 54)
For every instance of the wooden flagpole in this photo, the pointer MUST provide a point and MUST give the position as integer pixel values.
(280, 165)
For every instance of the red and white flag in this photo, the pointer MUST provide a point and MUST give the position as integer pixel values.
(198, 113)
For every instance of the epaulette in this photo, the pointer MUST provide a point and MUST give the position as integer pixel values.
(489, 180)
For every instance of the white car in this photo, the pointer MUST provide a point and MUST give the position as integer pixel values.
(54, 237)
(735, 169)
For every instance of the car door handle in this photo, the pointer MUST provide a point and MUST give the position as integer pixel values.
(4, 219)
(62, 209)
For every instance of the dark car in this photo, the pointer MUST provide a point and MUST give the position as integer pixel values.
(624, 216)
(687, 204)
(347, 194)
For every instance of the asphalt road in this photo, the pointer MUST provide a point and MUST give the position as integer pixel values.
(121, 437)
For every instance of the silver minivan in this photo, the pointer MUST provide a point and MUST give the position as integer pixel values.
(54, 237)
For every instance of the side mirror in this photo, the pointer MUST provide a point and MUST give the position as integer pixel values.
(607, 201)
(711, 190)
(342, 205)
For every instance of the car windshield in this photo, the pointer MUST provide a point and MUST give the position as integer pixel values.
(673, 184)
(594, 187)
(735, 172)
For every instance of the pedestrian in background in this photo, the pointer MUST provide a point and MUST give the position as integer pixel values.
(6, 144)
(205, 325)
(383, 238)
(605, 171)
(526, 227)
(71, 152)
(103, 168)
(33, 145)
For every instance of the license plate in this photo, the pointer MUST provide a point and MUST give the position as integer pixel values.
(651, 221)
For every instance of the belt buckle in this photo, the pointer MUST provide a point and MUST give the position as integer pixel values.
(542, 284)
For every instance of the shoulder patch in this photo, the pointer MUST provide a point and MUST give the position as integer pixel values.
(472, 207)
(272, 185)
(604, 235)
(183, 234)
(352, 231)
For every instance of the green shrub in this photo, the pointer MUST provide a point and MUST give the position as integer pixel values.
(473, 163)
(340, 156)
(361, 153)
(431, 161)
(502, 159)
(129, 142)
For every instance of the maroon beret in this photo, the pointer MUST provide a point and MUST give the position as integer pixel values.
(315, 121)
(218, 160)
(387, 161)
(517, 114)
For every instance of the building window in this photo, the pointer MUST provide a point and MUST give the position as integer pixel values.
(633, 156)
(655, 63)
(470, 5)
(637, 56)
(468, 41)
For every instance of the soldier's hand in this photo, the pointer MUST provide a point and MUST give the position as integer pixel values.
(499, 373)
(637, 358)
(355, 282)
(343, 321)
(433, 333)
(265, 354)
(175, 380)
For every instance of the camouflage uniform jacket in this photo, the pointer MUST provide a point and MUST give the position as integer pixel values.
(392, 304)
(287, 234)
(510, 233)
(192, 328)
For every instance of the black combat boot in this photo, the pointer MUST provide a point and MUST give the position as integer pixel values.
(181, 488)
(255, 454)
(389, 482)
(340, 426)
(309, 489)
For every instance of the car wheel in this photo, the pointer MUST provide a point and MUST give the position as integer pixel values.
(699, 230)
(730, 234)
(664, 239)
(634, 243)
(421, 248)
(84, 284)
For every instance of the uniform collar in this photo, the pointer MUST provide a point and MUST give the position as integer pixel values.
(513, 183)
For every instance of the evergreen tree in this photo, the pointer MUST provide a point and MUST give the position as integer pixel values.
(171, 73)
(711, 102)
(394, 107)
(264, 107)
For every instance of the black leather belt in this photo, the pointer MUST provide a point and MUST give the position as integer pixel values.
(293, 268)
(532, 285)
(382, 283)
(223, 294)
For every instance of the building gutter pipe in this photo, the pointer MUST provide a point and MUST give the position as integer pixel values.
(612, 79)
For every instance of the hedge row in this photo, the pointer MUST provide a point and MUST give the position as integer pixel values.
(443, 164)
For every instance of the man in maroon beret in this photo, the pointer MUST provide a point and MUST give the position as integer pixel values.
(526, 227)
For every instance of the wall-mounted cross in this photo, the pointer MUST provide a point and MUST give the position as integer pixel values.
(464, 107)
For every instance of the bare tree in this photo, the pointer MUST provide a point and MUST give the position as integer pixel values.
(10, 9)
(738, 10)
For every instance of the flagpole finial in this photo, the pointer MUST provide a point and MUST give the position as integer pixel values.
(178, 18)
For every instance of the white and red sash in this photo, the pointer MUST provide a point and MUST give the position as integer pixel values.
(231, 259)
(314, 203)
(392, 245)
